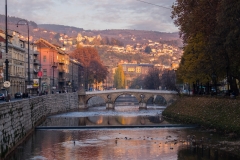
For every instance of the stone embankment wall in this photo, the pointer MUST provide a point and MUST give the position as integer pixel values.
(18, 119)
(221, 114)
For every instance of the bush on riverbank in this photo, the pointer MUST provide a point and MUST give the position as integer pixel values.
(215, 113)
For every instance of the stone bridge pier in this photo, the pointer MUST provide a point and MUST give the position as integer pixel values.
(110, 96)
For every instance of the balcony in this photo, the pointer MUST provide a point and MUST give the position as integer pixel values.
(35, 53)
(36, 62)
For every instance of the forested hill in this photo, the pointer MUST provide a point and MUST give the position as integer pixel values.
(14, 20)
(125, 36)
(60, 28)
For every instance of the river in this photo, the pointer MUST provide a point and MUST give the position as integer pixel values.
(123, 133)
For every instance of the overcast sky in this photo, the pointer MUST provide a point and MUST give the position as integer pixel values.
(95, 14)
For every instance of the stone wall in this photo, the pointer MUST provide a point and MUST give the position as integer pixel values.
(19, 118)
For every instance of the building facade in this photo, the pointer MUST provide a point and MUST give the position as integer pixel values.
(134, 70)
(54, 62)
(75, 76)
(16, 57)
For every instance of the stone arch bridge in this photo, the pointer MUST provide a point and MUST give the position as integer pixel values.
(110, 96)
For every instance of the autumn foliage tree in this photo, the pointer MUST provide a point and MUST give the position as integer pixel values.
(211, 40)
(94, 70)
(119, 78)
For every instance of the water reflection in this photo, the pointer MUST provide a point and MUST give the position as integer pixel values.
(103, 121)
(99, 116)
(205, 153)
(117, 144)
(98, 144)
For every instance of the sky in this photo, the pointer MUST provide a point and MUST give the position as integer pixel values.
(95, 14)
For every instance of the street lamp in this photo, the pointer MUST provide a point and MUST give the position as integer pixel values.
(26, 23)
(6, 41)
(72, 78)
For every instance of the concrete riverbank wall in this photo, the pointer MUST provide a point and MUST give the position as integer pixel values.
(219, 114)
(18, 118)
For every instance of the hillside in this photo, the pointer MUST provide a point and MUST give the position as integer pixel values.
(114, 46)
(60, 28)
(124, 35)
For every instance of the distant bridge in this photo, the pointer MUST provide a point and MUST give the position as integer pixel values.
(110, 96)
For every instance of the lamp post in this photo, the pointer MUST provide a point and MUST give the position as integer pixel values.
(6, 41)
(82, 82)
(72, 79)
(40, 69)
(26, 23)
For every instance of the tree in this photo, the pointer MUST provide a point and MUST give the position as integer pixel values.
(105, 41)
(152, 79)
(148, 50)
(97, 72)
(210, 40)
(138, 83)
(57, 36)
(169, 80)
(85, 55)
(94, 70)
(227, 38)
(119, 78)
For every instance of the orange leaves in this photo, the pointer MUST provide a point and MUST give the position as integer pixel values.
(85, 55)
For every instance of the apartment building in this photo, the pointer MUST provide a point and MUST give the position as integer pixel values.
(16, 57)
(134, 70)
(54, 66)
(76, 79)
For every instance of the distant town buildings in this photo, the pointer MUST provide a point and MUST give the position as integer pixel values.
(59, 72)
(51, 69)
(134, 70)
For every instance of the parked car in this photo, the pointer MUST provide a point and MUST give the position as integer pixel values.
(2, 96)
(18, 95)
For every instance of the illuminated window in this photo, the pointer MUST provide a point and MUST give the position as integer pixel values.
(138, 69)
(131, 69)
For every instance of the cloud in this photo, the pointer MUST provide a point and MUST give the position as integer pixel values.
(93, 14)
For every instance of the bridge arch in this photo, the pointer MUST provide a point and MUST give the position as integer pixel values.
(95, 100)
(157, 99)
(142, 96)
(119, 95)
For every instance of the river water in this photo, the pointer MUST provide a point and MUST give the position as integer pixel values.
(126, 133)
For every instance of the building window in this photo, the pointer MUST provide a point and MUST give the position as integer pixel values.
(131, 69)
(44, 72)
(138, 69)
(44, 58)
